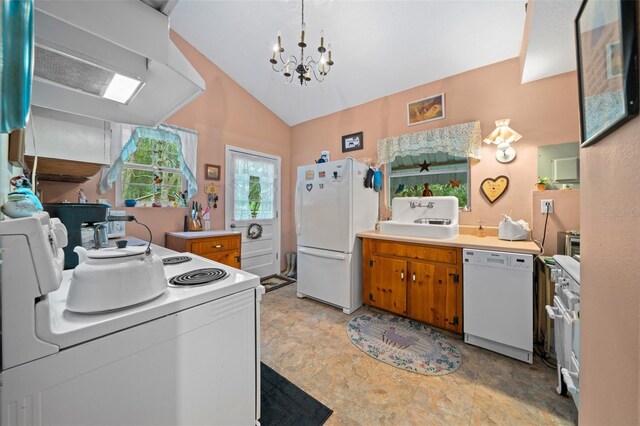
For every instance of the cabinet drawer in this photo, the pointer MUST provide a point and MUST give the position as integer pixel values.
(231, 258)
(416, 251)
(215, 245)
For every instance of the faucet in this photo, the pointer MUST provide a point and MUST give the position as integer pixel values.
(414, 204)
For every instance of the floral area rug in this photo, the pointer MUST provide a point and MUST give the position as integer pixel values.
(404, 343)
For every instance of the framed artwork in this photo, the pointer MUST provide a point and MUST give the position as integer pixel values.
(607, 56)
(494, 188)
(211, 172)
(352, 142)
(425, 110)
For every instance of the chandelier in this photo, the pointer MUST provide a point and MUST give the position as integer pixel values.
(302, 68)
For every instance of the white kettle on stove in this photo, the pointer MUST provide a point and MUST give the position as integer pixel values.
(114, 278)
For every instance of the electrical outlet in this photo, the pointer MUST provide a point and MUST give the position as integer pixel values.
(543, 206)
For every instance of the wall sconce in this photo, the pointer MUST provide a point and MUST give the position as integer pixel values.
(502, 136)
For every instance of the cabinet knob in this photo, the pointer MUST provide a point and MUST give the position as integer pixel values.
(414, 278)
(402, 275)
(218, 246)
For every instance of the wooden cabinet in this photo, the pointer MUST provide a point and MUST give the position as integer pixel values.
(69, 137)
(388, 288)
(216, 246)
(418, 281)
(70, 148)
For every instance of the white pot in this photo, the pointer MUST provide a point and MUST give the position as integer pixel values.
(111, 278)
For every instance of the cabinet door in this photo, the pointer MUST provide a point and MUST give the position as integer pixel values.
(388, 288)
(69, 137)
(433, 295)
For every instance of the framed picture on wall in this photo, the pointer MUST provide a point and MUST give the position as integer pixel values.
(211, 172)
(606, 46)
(352, 142)
(425, 110)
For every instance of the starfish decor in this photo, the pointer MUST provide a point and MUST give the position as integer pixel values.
(424, 166)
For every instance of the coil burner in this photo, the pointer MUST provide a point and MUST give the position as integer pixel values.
(198, 277)
(175, 260)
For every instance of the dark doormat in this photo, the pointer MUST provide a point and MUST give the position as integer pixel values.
(283, 403)
(273, 282)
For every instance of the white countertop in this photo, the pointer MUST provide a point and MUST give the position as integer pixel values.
(462, 240)
(201, 234)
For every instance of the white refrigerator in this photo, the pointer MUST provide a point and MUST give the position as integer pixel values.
(332, 205)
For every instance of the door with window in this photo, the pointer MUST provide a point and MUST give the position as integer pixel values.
(252, 207)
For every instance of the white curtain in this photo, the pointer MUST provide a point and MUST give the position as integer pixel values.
(124, 138)
(248, 169)
(461, 140)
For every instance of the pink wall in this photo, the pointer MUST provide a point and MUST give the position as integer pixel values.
(610, 288)
(225, 114)
(545, 112)
(566, 216)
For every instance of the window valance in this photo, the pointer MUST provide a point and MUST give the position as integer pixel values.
(462, 140)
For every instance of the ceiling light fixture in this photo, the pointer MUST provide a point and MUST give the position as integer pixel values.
(303, 67)
(503, 136)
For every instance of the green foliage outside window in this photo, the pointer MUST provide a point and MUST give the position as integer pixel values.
(447, 175)
(254, 195)
(437, 190)
(152, 174)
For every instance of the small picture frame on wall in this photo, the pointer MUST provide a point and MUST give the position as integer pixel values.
(425, 110)
(607, 59)
(211, 172)
(353, 142)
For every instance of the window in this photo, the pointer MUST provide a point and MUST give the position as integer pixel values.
(447, 175)
(254, 180)
(152, 176)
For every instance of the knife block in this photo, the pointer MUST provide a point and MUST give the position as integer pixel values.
(193, 224)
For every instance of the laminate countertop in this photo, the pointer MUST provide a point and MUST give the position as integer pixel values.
(462, 240)
(201, 234)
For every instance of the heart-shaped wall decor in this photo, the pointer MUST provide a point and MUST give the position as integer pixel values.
(309, 187)
(493, 189)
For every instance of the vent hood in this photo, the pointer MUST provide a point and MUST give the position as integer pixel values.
(84, 47)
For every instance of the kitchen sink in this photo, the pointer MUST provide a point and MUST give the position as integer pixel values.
(426, 217)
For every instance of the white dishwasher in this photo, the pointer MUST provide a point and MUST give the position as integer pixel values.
(498, 302)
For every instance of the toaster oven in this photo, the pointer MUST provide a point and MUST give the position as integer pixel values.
(569, 244)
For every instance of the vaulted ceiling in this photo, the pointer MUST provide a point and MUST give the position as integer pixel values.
(379, 47)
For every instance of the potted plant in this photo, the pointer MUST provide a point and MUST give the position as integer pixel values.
(541, 185)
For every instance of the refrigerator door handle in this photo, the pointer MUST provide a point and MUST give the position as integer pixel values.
(298, 209)
(335, 256)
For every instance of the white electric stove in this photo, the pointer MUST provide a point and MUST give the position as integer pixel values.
(189, 356)
(565, 313)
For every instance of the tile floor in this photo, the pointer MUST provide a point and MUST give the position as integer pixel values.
(306, 341)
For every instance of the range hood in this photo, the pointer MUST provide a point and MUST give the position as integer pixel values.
(84, 46)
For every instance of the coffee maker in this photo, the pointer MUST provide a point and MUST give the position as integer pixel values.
(86, 226)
